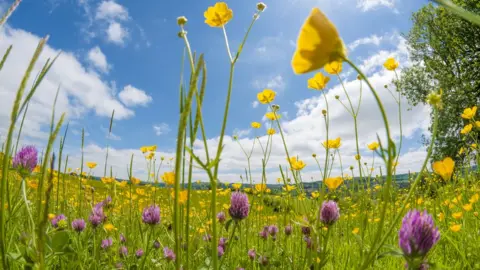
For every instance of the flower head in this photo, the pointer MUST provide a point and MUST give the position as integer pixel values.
(297, 164)
(168, 178)
(168, 254)
(418, 233)
(25, 160)
(271, 131)
(151, 215)
(469, 113)
(218, 15)
(182, 20)
(390, 64)
(318, 43)
(333, 182)
(318, 81)
(261, 6)
(332, 144)
(252, 254)
(139, 253)
(239, 206)
(91, 165)
(59, 221)
(106, 243)
(272, 116)
(329, 213)
(123, 251)
(288, 230)
(333, 68)
(266, 96)
(373, 146)
(256, 125)
(221, 217)
(466, 129)
(444, 168)
(78, 225)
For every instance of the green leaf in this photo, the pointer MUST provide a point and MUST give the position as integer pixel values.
(59, 240)
(228, 223)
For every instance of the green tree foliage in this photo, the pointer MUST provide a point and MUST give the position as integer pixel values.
(445, 51)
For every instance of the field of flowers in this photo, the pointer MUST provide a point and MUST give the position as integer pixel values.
(57, 217)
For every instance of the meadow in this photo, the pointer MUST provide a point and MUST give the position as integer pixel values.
(57, 216)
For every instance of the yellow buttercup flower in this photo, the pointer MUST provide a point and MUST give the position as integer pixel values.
(474, 198)
(51, 216)
(477, 124)
(109, 227)
(373, 146)
(318, 43)
(332, 144)
(168, 178)
(444, 168)
(318, 81)
(152, 148)
(467, 207)
(390, 64)
(122, 184)
(256, 125)
(266, 96)
(183, 196)
(466, 129)
(441, 216)
(288, 188)
(33, 184)
(272, 116)
(297, 164)
(469, 113)
(271, 131)
(333, 182)
(333, 68)
(357, 157)
(37, 169)
(456, 227)
(134, 180)
(356, 230)
(457, 215)
(218, 15)
(91, 165)
(315, 194)
(236, 186)
(106, 180)
(140, 191)
(260, 187)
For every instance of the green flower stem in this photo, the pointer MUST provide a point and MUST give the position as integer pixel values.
(388, 160)
(371, 256)
(327, 149)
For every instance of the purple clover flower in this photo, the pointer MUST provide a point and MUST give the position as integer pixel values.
(273, 230)
(139, 253)
(239, 206)
(221, 217)
(123, 251)
(97, 216)
(59, 221)
(25, 160)
(169, 254)
(329, 213)
(122, 238)
(220, 250)
(156, 244)
(418, 234)
(78, 225)
(288, 230)
(106, 243)
(252, 254)
(151, 215)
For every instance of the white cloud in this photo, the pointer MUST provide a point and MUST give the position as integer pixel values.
(161, 129)
(373, 39)
(110, 10)
(131, 96)
(98, 59)
(400, 53)
(276, 83)
(81, 91)
(255, 104)
(366, 5)
(116, 33)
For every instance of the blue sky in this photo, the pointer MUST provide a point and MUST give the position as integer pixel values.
(127, 57)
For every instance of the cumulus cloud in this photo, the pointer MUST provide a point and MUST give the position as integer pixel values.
(81, 90)
(98, 59)
(116, 33)
(277, 83)
(366, 5)
(373, 39)
(131, 96)
(110, 10)
(162, 128)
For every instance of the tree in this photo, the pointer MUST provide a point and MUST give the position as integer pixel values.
(445, 51)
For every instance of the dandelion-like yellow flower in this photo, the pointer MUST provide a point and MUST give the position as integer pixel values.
(256, 125)
(356, 230)
(272, 116)
(469, 113)
(91, 165)
(144, 149)
(332, 144)
(288, 188)
(297, 164)
(373, 146)
(333, 68)
(237, 186)
(260, 187)
(218, 15)
(266, 96)
(33, 184)
(391, 64)
(333, 182)
(134, 180)
(466, 129)
(318, 43)
(168, 178)
(271, 131)
(444, 168)
(456, 227)
(457, 215)
(477, 124)
(318, 81)
(109, 227)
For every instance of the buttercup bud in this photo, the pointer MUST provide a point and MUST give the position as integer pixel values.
(261, 6)
(182, 20)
